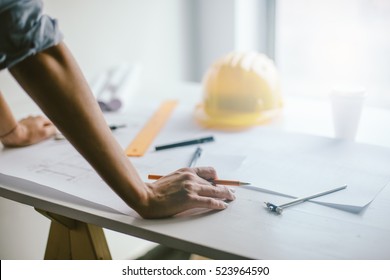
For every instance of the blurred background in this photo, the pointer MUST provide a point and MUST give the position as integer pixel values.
(315, 44)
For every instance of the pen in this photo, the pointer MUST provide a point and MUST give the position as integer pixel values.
(185, 143)
(195, 157)
(116, 126)
(279, 209)
(216, 181)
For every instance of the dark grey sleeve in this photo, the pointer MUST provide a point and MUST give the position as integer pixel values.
(24, 31)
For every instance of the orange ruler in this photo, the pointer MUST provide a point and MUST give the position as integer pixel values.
(145, 137)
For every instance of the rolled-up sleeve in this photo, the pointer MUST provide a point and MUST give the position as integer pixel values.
(24, 31)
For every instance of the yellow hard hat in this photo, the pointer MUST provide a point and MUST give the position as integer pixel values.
(240, 90)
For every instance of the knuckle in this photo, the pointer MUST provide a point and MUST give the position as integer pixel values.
(212, 203)
(188, 186)
(212, 170)
(184, 170)
(188, 176)
(224, 189)
(215, 191)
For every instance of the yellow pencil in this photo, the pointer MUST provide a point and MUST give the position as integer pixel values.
(216, 181)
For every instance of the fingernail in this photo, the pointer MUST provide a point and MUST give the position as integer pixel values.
(225, 204)
(233, 190)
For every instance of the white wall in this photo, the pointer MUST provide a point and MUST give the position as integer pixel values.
(103, 33)
(216, 28)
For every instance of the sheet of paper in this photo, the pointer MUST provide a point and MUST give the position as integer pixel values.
(164, 162)
(297, 165)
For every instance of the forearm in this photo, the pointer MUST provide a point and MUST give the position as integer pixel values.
(53, 79)
(7, 120)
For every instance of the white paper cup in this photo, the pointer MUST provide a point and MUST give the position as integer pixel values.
(347, 104)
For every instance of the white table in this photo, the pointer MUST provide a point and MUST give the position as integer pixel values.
(245, 229)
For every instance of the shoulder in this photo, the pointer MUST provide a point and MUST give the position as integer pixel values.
(24, 30)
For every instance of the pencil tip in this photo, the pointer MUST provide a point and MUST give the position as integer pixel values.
(244, 183)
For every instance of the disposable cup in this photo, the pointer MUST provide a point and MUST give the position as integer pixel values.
(347, 105)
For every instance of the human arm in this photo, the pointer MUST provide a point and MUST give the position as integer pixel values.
(54, 81)
(25, 132)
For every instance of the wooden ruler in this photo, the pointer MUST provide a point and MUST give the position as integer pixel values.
(146, 135)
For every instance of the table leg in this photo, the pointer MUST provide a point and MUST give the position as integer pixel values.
(70, 239)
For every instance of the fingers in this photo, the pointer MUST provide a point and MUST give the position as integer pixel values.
(48, 130)
(211, 197)
(184, 189)
(36, 129)
(41, 121)
(207, 173)
(42, 127)
(220, 192)
(210, 203)
(202, 194)
(199, 183)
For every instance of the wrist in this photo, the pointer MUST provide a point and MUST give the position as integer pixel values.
(15, 137)
(143, 204)
(9, 131)
(132, 190)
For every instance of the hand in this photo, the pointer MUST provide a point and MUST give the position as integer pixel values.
(185, 189)
(29, 131)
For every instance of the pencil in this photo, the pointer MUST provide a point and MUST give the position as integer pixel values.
(216, 181)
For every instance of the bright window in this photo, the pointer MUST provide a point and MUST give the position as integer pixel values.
(322, 44)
